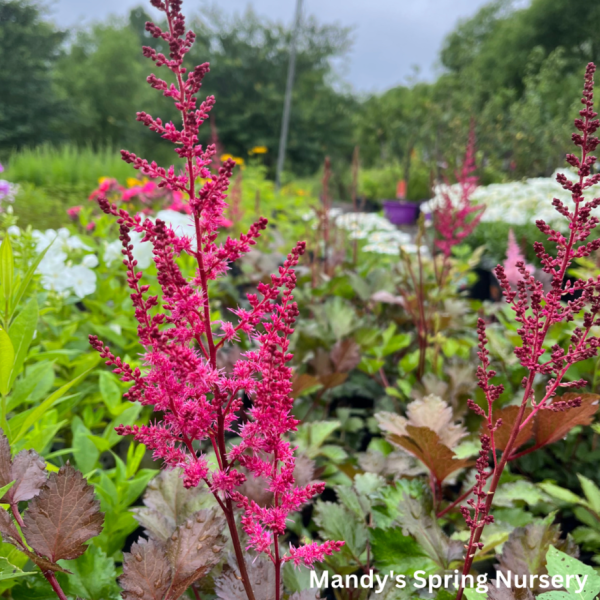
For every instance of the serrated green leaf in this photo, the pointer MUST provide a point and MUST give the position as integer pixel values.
(559, 563)
(394, 551)
(338, 523)
(21, 334)
(93, 576)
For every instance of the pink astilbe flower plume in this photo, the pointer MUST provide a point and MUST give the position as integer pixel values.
(455, 221)
(536, 311)
(514, 258)
(197, 401)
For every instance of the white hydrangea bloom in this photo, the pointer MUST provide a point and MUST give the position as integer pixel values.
(516, 202)
(59, 275)
(82, 280)
(112, 252)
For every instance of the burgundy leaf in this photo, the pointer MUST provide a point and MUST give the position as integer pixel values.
(194, 549)
(345, 355)
(8, 529)
(63, 516)
(146, 572)
(425, 444)
(552, 426)
(29, 474)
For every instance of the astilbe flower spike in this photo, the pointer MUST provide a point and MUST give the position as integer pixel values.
(453, 223)
(536, 311)
(198, 402)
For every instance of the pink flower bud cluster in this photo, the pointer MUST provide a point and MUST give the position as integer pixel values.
(196, 402)
(536, 310)
(453, 223)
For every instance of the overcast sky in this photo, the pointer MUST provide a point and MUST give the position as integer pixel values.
(390, 36)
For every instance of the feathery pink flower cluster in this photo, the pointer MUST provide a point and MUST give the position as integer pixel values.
(514, 257)
(199, 402)
(455, 223)
(536, 311)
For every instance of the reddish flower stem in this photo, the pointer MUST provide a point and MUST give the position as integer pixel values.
(49, 575)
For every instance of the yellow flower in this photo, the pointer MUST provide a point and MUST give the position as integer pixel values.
(134, 181)
(103, 179)
(258, 150)
(237, 159)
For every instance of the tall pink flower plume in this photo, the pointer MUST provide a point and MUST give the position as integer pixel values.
(537, 310)
(514, 257)
(197, 401)
(453, 223)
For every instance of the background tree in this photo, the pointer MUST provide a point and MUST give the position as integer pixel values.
(29, 48)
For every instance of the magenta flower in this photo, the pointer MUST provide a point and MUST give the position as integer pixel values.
(74, 211)
(197, 401)
(536, 311)
(455, 223)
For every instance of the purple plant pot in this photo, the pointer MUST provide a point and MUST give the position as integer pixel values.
(399, 212)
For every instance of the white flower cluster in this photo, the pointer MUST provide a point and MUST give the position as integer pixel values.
(58, 272)
(181, 224)
(516, 202)
(381, 236)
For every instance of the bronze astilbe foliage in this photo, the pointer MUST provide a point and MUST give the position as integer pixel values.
(61, 517)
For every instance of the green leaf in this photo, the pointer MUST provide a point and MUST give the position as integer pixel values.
(394, 551)
(517, 491)
(10, 571)
(7, 357)
(39, 374)
(135, 454)
(473, 594)
(23, 287)
(410, 361)
(127, 417)
(93, 576)
(560, 493)
(7, 271)
(310, 436)
(592, 493)
(5, 488)
(338, 523)
(24, 421)
(85, 452)
(297, 579)
(559, 563)
(110, 391)
(21, 333)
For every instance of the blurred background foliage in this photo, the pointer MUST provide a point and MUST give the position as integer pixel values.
(83, 87)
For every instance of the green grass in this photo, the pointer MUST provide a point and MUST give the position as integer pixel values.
(65, 166)
(52, 179)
